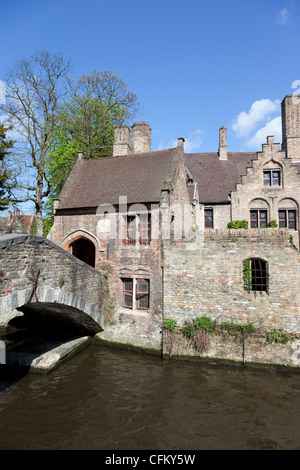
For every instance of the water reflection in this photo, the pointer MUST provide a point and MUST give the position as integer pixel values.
(109, 399)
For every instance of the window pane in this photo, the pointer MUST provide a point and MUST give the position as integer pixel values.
(143, 302)
(267, 178)
(276, 178)
(143, 293)
(208, 218)
(128, 285)
(253, 219)
(263, 219)
(127, 300)
(292, 220)
(130, 230)
(142, 286)
(145, 228)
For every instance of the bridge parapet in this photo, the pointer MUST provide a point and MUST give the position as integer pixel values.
(36, 272)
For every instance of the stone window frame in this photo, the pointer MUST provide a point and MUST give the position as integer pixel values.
(134, 294)
(259, 220)
(289, 205)
(271, 167)
(271, 178)
(256, 275)
(137, 229)
(287, 219)
(212, 217)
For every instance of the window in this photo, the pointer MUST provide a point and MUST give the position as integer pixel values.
(127, 293)
(258, 218)
(136, 293)
(272, 178)
(137, 229)
(287, 219)
(255, 275)
(208, 218)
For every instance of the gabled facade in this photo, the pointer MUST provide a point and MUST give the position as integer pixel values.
(260, 188)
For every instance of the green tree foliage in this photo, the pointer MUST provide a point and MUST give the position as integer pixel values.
(5, 150)
(85, 123)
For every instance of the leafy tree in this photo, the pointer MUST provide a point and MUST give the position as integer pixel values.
(85, 123)
(34, 89)
(5, 150)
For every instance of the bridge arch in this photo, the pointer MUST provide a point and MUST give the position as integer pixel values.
(55, 304)
(38, 277)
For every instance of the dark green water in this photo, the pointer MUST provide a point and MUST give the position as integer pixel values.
(120, 400)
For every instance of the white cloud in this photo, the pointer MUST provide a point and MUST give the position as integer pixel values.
(2, 92)
(283, 16)
(192, 143)
(272, 127)
(261, 110)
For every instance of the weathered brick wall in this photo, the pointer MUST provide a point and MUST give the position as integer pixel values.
(61, 277)
(207, 279)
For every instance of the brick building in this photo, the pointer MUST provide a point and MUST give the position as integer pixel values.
(156, 221)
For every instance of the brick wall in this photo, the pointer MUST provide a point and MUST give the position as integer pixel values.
(60, 277)
(207, 279)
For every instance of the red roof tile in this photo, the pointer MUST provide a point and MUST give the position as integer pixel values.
(140, 177)
(217, 178)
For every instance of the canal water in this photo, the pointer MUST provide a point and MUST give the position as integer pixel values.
(120, 400)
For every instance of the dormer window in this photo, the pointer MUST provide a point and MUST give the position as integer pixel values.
(272, 178)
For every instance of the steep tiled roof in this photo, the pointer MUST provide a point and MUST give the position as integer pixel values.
(140, 177)
(217, 178)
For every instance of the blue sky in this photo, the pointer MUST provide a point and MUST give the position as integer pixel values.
(195, 65)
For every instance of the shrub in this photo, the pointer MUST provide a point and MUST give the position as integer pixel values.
(275, 336)
(240, 327)
(272, 224)
(170, 324)
(236, 224)
(204, 324)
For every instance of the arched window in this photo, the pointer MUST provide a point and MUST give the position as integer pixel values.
(287, 214)
(259, 213)
(272, 175)
(256, 275)
(84, 250)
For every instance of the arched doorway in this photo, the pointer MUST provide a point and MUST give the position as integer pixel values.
(84, 250)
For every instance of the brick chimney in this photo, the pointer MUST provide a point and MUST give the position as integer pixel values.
(290, 114)
(140, 137)
(122, 141)
(223, 143)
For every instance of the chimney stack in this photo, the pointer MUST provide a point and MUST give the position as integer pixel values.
(122, 141)
(290, 113)
(141, 137)
(223, 143)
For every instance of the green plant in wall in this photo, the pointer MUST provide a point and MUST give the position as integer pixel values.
(197, 331)
(272, 224)
(247, 272)
(241, 327)
(275, 336)
(170, 324)
(61, 281)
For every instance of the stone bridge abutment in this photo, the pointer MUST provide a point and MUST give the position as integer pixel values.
(39, 278)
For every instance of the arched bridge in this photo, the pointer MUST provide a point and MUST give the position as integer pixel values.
(41, 279)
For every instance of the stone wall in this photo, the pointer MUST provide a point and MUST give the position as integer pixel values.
(206, 279)
(59, 277)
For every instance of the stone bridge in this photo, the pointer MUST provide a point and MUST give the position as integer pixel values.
(39, 278)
